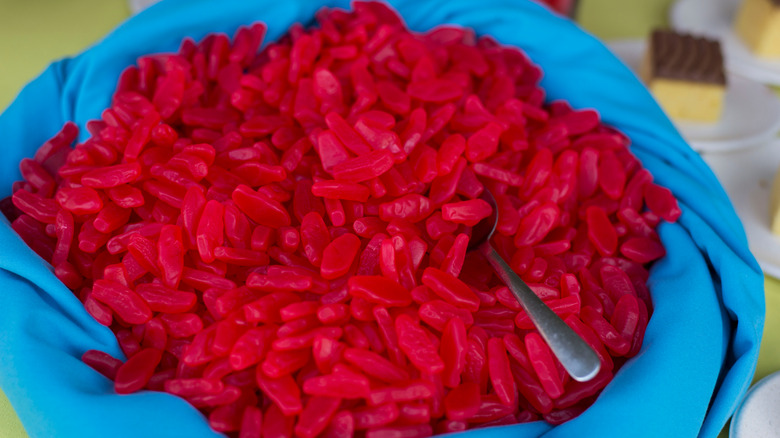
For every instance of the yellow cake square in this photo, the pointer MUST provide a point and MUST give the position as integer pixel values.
(685, 74)
(757, 24)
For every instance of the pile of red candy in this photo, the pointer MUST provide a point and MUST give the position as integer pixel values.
(281, 238)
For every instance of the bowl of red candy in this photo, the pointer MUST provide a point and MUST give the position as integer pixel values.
(254, 220)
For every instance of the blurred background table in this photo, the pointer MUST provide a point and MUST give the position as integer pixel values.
(35, 33)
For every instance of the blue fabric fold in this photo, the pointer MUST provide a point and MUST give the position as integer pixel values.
(701, 345)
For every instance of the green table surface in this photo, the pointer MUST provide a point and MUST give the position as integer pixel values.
(34, 33)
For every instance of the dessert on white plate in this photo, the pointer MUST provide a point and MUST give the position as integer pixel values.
(757, 24)
(751, 111)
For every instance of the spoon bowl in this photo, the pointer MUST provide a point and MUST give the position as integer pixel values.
(577, 357)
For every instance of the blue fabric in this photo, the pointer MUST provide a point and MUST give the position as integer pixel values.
(702, 342)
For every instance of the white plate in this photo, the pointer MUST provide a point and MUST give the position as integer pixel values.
(756, 415)
(751, 113)
(715, 18)
(747, 177)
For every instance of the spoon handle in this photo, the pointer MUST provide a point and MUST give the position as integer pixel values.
(576, 356)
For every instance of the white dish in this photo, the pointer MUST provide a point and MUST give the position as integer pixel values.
(756, 415)
(746, 176)
(751, 112)
(715, 18)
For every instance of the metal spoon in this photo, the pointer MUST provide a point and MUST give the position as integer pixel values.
(576, 356)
